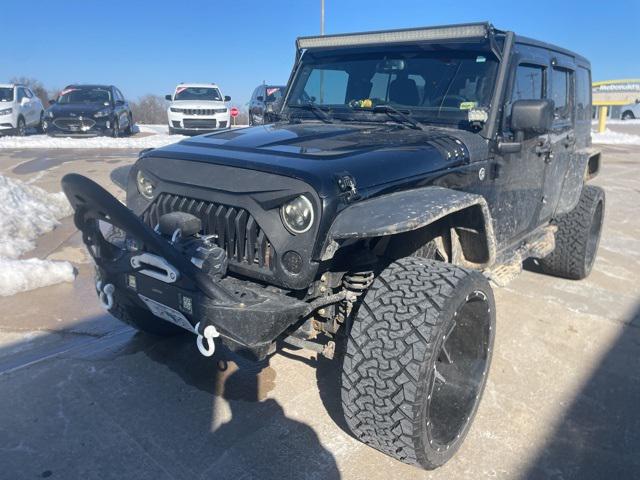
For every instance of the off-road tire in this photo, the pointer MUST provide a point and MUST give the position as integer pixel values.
(392, 350)
(142, 319)
(577, 238)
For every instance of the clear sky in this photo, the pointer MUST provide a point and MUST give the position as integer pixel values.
(149, 46)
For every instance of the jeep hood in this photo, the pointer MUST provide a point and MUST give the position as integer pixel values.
(373, 154)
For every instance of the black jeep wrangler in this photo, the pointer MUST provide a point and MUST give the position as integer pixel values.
(407, 170)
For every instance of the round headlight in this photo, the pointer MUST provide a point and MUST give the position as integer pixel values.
(297, 215)
(145, 186)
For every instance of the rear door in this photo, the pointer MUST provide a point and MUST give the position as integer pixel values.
(520, 176)
(562, 136)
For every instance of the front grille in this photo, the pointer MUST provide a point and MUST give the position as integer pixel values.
(74, 124)
(199, 123)
(199, 111)
(237, 231)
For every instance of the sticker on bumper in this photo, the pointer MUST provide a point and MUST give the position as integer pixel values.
(167, 313)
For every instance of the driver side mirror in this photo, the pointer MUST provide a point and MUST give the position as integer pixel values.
(532, 116)
(119, 102)
(167, 97)
(227, 98)
(24, 101)
(260, 98)
(52, 101)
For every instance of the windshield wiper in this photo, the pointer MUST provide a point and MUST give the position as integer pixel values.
(319, 112)
(403, 117)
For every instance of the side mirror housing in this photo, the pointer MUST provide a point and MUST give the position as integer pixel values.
(120, 102)
(167, 97)
(24, 101)
(260, 98)
(227, 98)
(52, 101)
(533, 116)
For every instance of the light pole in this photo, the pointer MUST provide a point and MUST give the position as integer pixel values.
(321, 33)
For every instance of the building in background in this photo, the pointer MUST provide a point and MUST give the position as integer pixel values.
(622, 97)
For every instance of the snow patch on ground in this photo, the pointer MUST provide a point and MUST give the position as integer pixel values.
(26, 212)
(43, 141)
(615, 138)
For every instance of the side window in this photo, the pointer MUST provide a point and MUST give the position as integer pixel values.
(583, 94)
(28, 93)
(561, 92)
(21, 94)
(254, 94)
(529, 83)
(119, 95)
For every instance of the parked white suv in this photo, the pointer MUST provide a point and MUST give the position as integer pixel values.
(19, 109)
(197, 108)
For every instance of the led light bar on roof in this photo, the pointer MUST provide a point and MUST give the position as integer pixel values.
(454, 32)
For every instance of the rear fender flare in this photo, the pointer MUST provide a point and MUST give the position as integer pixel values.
(407, 211)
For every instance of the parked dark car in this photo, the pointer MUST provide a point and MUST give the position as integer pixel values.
(89, 110)
(409, 170)
(264, 102)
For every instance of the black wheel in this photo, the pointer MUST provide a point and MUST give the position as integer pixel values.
(129, 130)
(115, 130)
(578, 237)
(417, 360)
(40, 127)
(142, 319)
(250, 120)
(21, 127)
(628, 115)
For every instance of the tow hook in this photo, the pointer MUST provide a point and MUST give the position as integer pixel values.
(105, 293)
(209, 334)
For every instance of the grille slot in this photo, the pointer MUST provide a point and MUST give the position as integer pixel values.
(237, 231)
(74, 124)
(199, 123)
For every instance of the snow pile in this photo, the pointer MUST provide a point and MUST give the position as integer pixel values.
(615, 138)
(26, 212)
(43, 141)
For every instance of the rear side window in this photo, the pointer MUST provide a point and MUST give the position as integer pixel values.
(561, 92)
(529, 83)
(583, 94)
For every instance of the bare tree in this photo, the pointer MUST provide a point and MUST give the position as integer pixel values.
(36, 87)
(149, 109)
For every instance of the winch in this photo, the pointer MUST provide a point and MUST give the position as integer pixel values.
(182, 229)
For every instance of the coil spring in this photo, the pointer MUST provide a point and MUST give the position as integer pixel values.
(357, 282)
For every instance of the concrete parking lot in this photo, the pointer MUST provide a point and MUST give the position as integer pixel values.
(84, 397)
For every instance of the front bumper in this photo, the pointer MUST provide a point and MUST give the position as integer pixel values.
(248, 317)
(77, 127)
(196, 124)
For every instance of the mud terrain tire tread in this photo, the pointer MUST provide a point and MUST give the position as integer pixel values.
(387, 364)
(569, 259)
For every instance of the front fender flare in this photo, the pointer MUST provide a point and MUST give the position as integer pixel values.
(405, 211)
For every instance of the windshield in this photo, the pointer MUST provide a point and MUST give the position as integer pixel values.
(207, 94)
(84, 95)
(6, 94)
(274, 93)
(440, 85)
